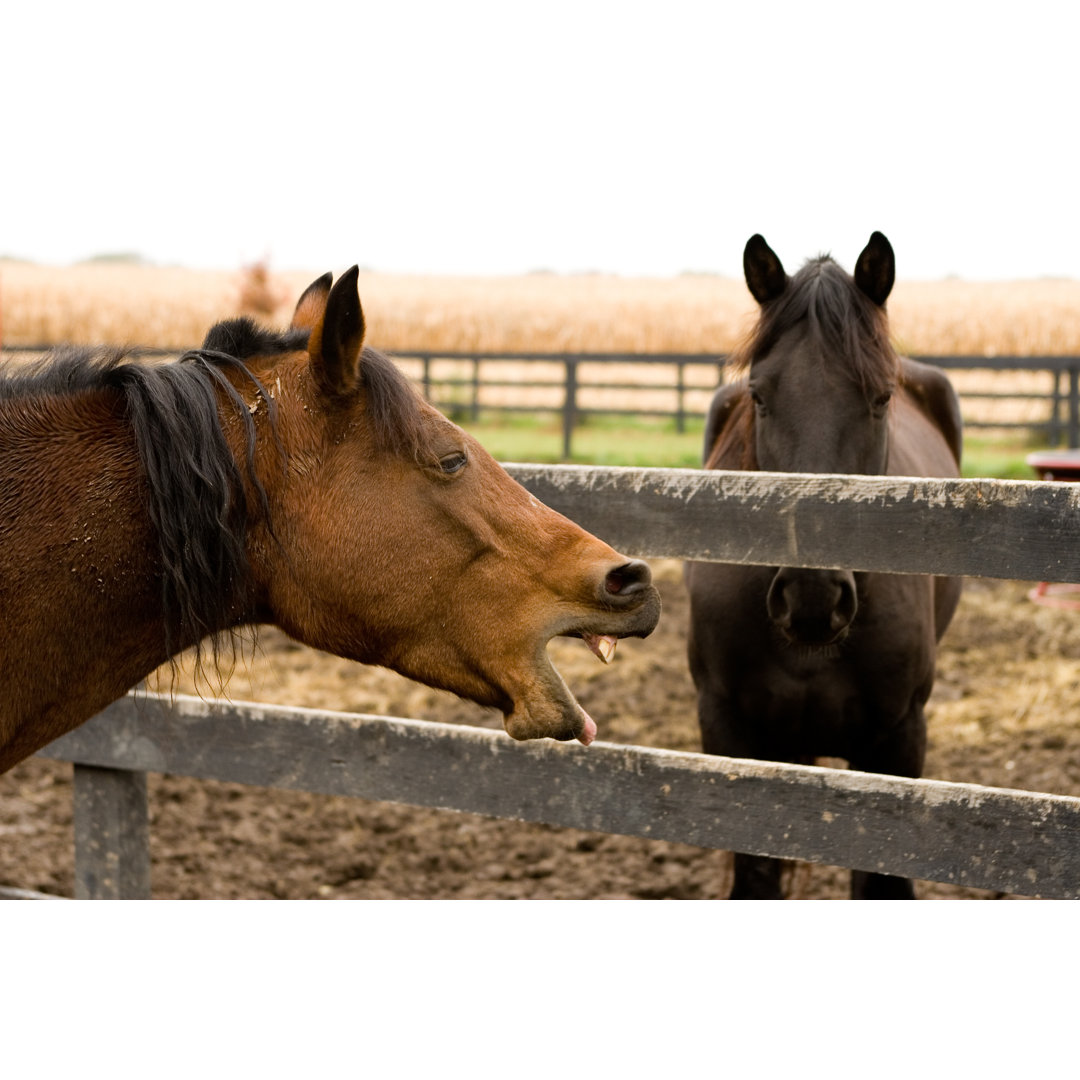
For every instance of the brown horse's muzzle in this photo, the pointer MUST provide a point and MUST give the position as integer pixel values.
(625, 604)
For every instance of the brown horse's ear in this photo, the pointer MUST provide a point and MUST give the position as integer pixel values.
(875, 271)
(311, 307)
(338, 336)
(765, 275)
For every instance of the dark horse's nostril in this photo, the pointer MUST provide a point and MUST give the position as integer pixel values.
(628, 579)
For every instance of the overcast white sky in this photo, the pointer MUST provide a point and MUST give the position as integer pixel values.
(464, 137)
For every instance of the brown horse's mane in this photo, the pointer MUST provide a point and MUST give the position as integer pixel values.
(194, 485)
(392, 407)
(845, 324)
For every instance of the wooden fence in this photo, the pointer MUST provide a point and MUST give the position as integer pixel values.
(575, 386)
(1011, 841)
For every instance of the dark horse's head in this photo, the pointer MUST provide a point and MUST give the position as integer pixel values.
(821, 373)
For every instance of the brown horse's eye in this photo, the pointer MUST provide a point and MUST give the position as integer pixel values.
(453, 463)
(881, 403)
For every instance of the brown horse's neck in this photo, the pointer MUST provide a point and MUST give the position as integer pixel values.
(81, 609)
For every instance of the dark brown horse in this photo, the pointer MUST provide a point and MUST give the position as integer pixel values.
(793, 664)
(295, 479)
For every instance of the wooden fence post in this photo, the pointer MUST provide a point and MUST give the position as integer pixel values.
(1053, 427)
(1074, 407)
(112, 835)
(680, 394)
(569, 407)
(426, 378)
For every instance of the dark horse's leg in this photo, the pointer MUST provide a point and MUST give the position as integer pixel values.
(865, 886)
(728, 634)
(901, 753)
(757, 877)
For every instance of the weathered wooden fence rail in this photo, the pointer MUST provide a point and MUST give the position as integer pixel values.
(989, 838)
(961, 833)
(1014, 529)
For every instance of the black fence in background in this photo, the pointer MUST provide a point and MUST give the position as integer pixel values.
(467, 385)
(1042, 396)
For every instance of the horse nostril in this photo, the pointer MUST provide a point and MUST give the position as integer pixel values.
(846, 606)
(812, 606)
(628, 579)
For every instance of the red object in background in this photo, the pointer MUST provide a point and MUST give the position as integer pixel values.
(1056, 464)
(1062, 465)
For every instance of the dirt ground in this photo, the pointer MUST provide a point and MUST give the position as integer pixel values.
(1005, 712)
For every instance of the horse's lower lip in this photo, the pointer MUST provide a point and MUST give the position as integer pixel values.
(545, 708)
(814, 641)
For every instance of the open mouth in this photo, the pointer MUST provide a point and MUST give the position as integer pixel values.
(544, 707)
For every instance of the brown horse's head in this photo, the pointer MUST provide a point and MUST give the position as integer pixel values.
(391, 537)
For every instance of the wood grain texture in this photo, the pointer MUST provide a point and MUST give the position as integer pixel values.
(112, 834)
(1013, 529)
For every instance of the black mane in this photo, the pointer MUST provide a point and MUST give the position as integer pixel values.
(393, 405)
(195, 488)
(244, 339)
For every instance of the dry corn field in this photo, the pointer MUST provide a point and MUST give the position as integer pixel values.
(172, 308)
(122, 304)
(107, 304)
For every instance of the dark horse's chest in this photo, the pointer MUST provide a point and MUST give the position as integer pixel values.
(812, 702)
(792, 702)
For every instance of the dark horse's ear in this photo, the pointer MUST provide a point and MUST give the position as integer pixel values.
(875, 271)
(765, 275)
(335, 321)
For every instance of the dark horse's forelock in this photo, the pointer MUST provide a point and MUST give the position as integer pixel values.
(849, 329)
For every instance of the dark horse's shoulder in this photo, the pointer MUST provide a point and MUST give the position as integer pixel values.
(929, 388)
(721, 411)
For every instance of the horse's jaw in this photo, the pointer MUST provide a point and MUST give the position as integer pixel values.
(544, 708)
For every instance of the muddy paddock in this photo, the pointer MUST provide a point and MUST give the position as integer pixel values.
(1005, 712)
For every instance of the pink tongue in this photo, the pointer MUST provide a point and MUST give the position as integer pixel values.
(589, 733)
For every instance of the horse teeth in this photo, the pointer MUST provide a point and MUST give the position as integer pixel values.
(602, 646)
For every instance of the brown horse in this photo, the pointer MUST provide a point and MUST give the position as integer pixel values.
(290, 478)
(792, 664)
